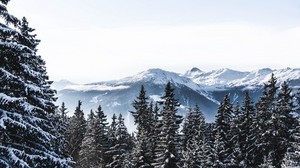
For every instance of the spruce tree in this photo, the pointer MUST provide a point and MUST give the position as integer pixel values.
(120, 152)
(95, 141)
(261, 129)
(169, 146)
(222, 133)
(246, 120)
(28, 134)
(193, 130)
(88, 152)
(75, 132)
(101, 135)
(143, 118)
(63, 111)
(284, 123)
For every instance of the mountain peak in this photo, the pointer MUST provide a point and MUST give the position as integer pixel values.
(193, 73)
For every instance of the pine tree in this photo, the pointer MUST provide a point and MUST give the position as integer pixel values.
(88, 155)
(194, 138)
(101, 135)
(222, 133)
(75, 132)
(143, 118)
(292, 156)
(168, 147)
(235, 158)
(283, 123)
(63, 111)
(122, 148)
(95, 141)
(246, 120)
(28, 134)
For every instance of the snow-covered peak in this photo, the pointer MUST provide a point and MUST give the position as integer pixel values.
(62, 84)
(217, 78)
(193, 73)
(223, 78)
(157, 76)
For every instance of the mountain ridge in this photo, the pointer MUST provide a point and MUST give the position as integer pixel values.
(195, 86)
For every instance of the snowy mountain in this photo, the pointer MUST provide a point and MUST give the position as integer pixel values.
(227, 78)
(62, 84)
(193, 87)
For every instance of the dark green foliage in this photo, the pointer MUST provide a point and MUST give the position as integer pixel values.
(95, 142)
(75, 132)
(120, 151)
(168, 148)
(222, 131)
(30, 133)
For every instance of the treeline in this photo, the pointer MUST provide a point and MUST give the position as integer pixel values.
(251, 134)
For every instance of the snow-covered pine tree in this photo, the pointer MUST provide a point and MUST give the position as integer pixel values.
(246, 119)
(142, 156)
(283, 123)
(88, 153)
(261, 128)
(63, 111)
(194, 137)
(235, 158)
(168, 148)
(208, 159)
(292, 156)
(101, 135)
(120, 152)
(222, 133)
(112, 139)
(75, 132)
(95, 141)
(28, 137)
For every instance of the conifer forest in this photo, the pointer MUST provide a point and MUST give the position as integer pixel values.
(36, 133)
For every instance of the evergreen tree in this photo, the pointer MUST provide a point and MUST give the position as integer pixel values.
(28, 134)
(75, 132)
(112, 139)
(88, 154)
(122, 148)
(169, 146)
(143, 118)
(63, 111)
(222, 133)
(101, 136)
(95, 141)
(246, 120)
(194, 138)
(292, 157)
(235, 158)
(283, 123)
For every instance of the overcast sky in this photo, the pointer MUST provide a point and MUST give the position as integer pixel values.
(97, 40)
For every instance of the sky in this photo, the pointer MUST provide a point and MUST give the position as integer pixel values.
(99, 40)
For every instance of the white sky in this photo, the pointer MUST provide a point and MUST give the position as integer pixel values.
(97, 40)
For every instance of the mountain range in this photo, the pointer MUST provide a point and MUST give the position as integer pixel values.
(206, 89)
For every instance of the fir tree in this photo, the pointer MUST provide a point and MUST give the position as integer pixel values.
(122, 148)
(194, 138)
(292, 156)
(246, 120)
(63, 111)
(101, 135)
(75, 132)
(261, 132)
(169, 146)
(28, 134)
(222, 133)
(143, 118)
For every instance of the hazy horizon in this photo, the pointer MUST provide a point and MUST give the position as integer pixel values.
(88, 41)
